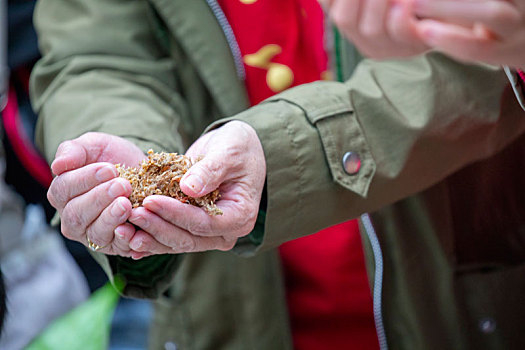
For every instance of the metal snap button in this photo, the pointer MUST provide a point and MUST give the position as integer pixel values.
(487, 325)
(170, 346)
(351, 163)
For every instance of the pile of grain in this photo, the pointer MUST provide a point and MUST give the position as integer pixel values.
(160, 173)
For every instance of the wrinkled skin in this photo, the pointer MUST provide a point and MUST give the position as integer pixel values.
(89, 196)
(378, 28)
(92, 201)
(233, 162)
(491, 31)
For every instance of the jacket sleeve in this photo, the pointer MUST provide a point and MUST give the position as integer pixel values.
(103, 69)
(411, 122)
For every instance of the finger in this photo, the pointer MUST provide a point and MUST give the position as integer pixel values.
(235, 222)
(163, 232)
(76, 182)
(501, 17)
(401, 26)
(81, 211)
(95, 147)
(144, 242)
(372, 20)
(205, 176)
(345, 15)
(138, 256)
(456, 41)
(70, 155)
(102, 229)
(123, 235)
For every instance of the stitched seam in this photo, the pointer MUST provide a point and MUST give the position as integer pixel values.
(314, 114)
(297, 164)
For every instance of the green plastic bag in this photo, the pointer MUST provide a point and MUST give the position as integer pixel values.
(86, 327)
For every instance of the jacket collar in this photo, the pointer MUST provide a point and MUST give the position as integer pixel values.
(195, 27)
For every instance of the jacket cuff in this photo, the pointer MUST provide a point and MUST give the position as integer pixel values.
(147, 278)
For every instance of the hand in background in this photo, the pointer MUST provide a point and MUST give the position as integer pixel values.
(378, 28)
(90, 198)
(233, 162)
(491, 31)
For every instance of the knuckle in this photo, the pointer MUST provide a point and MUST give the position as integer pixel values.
(188, 244)
(106, 220)
(102, 196)
(66, 231)
(247, 221)
(72, 219)
(199, 227)
(51, 199)
(58, 193)
(212, 169)
(341, 20)
(64, 146)
(370, 31)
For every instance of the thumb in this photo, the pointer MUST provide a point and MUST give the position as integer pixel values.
(70, 155)
(204, 176)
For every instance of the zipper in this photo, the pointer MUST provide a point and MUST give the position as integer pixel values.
(365, 218)
(230, 37)
(4, 69)
(378, 281)
(367, 224)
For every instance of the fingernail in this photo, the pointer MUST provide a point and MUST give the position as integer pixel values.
(119, 234)
(195, 183)
(116, 189)
(105, 173)
(140, 221)
(135, 244)
(150, 204)
(118, 210)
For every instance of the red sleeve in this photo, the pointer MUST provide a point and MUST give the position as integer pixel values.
(521, 75)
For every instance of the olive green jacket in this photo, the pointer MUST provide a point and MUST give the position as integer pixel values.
(441, 169)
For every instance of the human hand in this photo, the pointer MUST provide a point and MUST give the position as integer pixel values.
(233, 162)
(87, 193)
(491, 31)
(378, 28)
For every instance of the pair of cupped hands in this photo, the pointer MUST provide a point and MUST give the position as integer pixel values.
(94, 207)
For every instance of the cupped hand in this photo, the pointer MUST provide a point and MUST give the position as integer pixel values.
(233, 162)
(88, 194)
(378, 28)
(491, 31)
